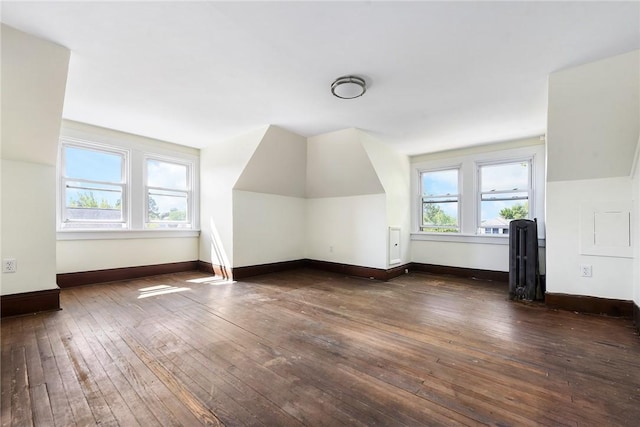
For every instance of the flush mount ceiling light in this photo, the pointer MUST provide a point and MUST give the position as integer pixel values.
(348, 87)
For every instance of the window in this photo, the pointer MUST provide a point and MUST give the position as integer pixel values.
(504, 194)
(94, 187)
(440, 197)
(126, 183)
(480, 189)
(168, 191)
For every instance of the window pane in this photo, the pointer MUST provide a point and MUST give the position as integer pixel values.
(93, 165)
(93, 203)
(166, 175)
(167, 206)
(505, 177)
(440, 182)
(499, 212)
(442, 216)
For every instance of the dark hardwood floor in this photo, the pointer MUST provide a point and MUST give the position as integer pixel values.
(306, 347)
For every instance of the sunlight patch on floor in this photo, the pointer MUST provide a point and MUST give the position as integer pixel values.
(152, 291)
(213, 280)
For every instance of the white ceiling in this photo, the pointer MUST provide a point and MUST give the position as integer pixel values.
(440, 74)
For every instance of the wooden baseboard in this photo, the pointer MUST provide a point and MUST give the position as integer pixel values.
(359, 271)
(67, 280)
(240, 273)
(471, 273)
(29, 302)
(217, 270)
(398, 271)
(348, 269)
(592, 305)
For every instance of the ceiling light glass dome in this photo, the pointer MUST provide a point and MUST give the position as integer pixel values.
(348, 87)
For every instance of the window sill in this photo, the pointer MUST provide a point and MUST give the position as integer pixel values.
(467, 238)
(124, 234)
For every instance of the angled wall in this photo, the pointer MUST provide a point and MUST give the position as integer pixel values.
(347, 207)
(269, 205)
(273, 196)
(34, 75)
(593, 128)
(221, 165)
(393, 170)
(593, 119)
(278, 165)
(338, 166)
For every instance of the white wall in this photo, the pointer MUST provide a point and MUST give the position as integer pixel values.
(393, 170)
(267, 228)
(346, 206)
(635, 221)
(89, 255)
(482, 256)
(297, 198)
(29, 225)
(592, 135)
(269, 205)
(34, 74)
(348, 230)
(221, 165)
(612, 276)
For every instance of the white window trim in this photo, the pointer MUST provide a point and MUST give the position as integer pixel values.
(457, 167)
(125, 234)
(137, 148)
(62, 180)
(189, 191)
(468, 159)
(530, 189)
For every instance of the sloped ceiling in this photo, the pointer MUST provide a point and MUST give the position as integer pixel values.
(338, 166)
(277, 166)
(34, 74)
(441, 75)
(594, 119)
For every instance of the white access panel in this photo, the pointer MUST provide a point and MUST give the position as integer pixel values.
(605, 229)
(394, 245)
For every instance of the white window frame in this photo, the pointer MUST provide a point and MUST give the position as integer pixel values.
(529, 190)
(467, 159)
(188, 191)
(63, 219)
(457, 196)
(138, 148)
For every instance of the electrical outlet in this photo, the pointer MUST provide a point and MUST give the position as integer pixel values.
(9, 265)
(585, 270)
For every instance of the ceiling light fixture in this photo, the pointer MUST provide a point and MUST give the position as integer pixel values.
(348, 87)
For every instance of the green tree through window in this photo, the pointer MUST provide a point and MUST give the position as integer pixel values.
(434, 215)
(517, 211)
(88, 200)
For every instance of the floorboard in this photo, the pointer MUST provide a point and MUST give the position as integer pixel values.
(305, 347)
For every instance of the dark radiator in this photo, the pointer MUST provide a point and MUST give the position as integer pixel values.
(524, 271)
